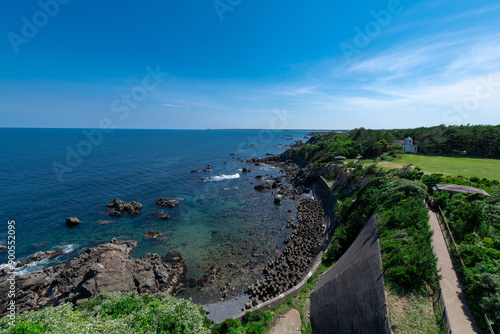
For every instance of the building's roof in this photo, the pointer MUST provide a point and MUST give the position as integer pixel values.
(461, 189)
(399, 142)
(340, 157)
(408, 138)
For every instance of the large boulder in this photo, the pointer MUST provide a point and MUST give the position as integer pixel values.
(120, 207)
(108, 268)
(167, 203)
(72, 221)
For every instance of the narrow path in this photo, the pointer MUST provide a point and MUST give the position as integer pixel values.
(289, 324)
(460, 316)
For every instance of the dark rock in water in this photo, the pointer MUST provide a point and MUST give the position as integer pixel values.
(5, 271)
(194, 171)
(277, 200)
(192, 282)
(165, 217)
(104, 222)
(72, 221)
(108, 268)
(262, 187)
(167, 203)
(245, 170)
(39, 256)
(2, 248)
(156, 213)
(258, 177)
(232, 154)
(115, 213)
(208, 167)
(155, 235)
(124, 208)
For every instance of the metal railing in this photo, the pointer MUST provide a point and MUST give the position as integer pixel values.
(445, 320)
(450, 241)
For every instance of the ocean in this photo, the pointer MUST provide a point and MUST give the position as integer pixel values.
(221, 222)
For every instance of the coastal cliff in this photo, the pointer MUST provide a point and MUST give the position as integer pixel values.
(107, 268)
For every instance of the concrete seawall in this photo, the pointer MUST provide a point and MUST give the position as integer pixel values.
(323, 193)
(350, 298)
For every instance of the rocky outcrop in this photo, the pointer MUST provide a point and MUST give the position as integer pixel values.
(72, 221)
(155, 235)
(39, 256)
(120, 208)
(296, 259)
(108, 268)
(167, 203)
(266, 186)
(2, 248)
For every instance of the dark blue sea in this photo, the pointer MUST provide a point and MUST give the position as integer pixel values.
(48, 175)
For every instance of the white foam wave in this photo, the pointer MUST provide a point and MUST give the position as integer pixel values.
(67, 248)
(229, 188)
(222, 177)
(42, 264)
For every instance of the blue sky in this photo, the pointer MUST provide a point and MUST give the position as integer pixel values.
(249, 64)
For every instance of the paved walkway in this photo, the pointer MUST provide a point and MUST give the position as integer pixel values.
(461, 320)
(289, 324)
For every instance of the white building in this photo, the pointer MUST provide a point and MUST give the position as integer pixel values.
(408, 146)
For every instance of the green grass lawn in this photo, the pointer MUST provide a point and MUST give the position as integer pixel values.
(452, 166)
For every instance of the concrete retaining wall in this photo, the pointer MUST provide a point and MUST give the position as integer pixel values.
(350, 297)
(325, 194)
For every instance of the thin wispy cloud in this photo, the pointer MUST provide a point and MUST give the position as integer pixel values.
(176, 105)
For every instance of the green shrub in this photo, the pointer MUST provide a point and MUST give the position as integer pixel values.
(115, 313)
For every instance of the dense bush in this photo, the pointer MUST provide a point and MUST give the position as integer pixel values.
(408, 260)
(256, 322)
(324, 148)
(114, 313)
(475, 224)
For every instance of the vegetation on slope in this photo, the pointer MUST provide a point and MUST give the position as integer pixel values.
(408, 261)
(323, 148)
(114, 313)
(475, 224)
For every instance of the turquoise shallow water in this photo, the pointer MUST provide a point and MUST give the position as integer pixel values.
(51, 174)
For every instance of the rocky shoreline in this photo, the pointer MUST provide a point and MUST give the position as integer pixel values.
(107, 268)
(111, 268)
(303, 244)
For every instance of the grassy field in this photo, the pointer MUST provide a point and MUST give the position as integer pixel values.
(452, 166)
